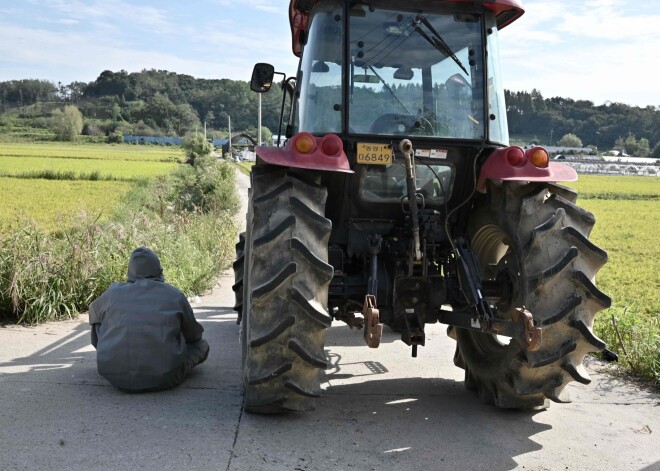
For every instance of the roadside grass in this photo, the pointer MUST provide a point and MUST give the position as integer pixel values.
(245, 167)
(63, 241)
(55, 275)
(626, 227)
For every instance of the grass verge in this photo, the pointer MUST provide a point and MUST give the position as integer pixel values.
(186, 218)
(245, 167)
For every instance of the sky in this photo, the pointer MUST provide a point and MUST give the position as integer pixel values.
(597, 50)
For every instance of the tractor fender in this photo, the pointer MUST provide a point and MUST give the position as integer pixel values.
(315, 159)
(498, 167)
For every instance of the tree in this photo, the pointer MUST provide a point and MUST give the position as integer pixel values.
(637, 148)
(656, 151)
(644, 148)
(570, 140)
(68, 123)
(116, 112)
(185, 118)
(196, 147)
(538, 103)
(266, 136)
(161, 109)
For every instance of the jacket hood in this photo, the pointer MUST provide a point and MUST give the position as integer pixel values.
(144, 263)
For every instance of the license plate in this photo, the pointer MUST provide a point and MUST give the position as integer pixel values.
(374, 154)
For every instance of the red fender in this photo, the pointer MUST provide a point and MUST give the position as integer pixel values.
(326, 153)
(513, 163)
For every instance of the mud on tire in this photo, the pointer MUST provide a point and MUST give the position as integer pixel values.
(536, 232)
(285, 291)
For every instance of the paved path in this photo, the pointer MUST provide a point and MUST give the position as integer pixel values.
(382, 410)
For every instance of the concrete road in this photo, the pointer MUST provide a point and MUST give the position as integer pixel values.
(382, 410)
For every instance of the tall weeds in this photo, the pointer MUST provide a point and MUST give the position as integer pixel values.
(46, 276)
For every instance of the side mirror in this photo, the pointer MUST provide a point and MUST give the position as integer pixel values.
(262, 77)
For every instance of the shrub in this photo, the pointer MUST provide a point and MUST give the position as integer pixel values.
(116, 137)
(196, 146)
(206, 186)
(91, 130)
(68, 123)
(570, 140)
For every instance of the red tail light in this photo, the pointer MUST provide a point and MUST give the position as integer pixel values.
(331, 145)
(515, 156)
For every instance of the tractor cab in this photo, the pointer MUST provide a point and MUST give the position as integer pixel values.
(401, 72)
(376, 72)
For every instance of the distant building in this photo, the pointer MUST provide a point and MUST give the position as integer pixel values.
(174, 141)
(282, 140)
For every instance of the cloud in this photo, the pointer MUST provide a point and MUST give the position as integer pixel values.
(74, 55)
(595, 50)
(582, 49)
(54, 51)
(67, 21)
(94, 10)
(610, 21)
(275, 6)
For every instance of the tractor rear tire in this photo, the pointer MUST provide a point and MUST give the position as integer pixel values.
(286, 280)
(534, 234)
(238, 266)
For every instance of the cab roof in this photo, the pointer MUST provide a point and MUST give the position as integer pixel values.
(506, 12)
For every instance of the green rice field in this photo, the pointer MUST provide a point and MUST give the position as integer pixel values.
(55, 203)
(627, 211)
(50, 183)
(55, 150)
(617, 187)
(110, 169)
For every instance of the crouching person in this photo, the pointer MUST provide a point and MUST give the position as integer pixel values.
(144, 331)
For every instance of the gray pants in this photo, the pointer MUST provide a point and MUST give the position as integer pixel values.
(196, 353)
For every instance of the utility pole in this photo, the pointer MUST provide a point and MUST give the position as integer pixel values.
(259, 122)
(551, 131)
(229, 133)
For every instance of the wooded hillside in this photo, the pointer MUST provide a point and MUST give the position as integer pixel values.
(157, 102)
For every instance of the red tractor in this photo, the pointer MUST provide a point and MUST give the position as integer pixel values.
(398, 200)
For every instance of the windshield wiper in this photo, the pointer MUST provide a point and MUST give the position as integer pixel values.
(436, 41)
(389, 89)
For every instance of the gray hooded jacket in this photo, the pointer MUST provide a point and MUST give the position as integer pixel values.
(140, 328)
